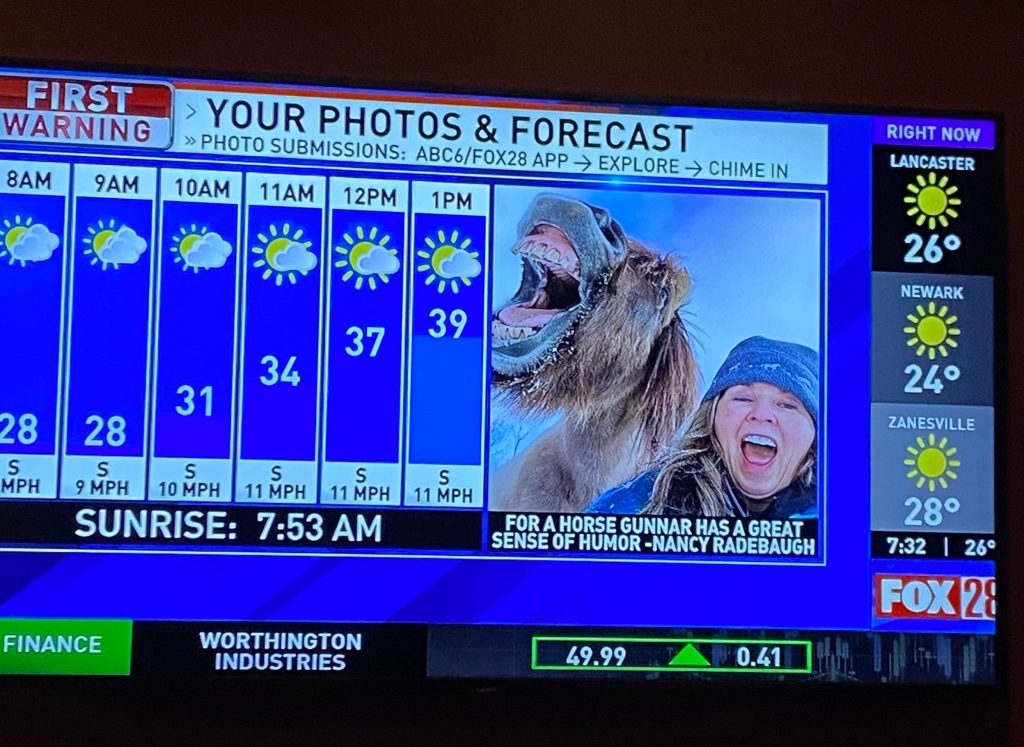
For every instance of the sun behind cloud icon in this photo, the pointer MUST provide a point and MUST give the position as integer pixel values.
(932, 330)
(449, 261)
(283, 254)
(112, 247)
(367, 257)
(931, 200)
(199, 248)
(931, 462)
(24, 241)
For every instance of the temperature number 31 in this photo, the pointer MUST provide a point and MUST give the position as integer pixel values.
(188, 400)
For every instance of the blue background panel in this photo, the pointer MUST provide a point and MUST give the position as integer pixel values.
(624, 592)
(282, 320)
(30, 305)
(109, 353)
(196, 343)
(365, 392)
(446, 376)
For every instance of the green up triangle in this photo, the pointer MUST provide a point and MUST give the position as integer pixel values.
(689, 657)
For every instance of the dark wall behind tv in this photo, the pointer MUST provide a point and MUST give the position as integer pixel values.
(935, 53)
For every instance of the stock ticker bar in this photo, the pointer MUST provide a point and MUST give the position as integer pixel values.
(712, 655)
(120, 647)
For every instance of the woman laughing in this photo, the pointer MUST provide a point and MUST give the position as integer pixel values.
(751, 446)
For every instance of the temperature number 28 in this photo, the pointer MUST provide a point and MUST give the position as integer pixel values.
(931, 510)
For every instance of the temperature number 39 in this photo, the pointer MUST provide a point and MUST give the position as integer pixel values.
(446, 324)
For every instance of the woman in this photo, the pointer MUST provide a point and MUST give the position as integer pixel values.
(750, 449)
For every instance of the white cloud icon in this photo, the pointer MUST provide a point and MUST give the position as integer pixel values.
(36, 243)
(123, 248)
(459, 265)
(295, 257)
(377, 261)
(210, 251)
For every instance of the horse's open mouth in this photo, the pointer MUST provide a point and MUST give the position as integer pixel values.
(567, 249)
(553, 278)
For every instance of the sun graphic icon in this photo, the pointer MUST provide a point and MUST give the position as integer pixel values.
(283, 254)
(931, 462)
(22, 241)
(931, 331)
(198, 248)
(366, 257)
(449, 261)
(112, 244)
(931, 200)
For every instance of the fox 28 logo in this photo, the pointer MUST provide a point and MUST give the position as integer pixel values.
(949, 597)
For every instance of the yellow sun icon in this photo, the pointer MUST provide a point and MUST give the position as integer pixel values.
(449, 261)
(10, 233)
(196, 248)
(931, 200)
(283, 253)
(931, 462)
(112, 244)
(932, 331)
(366, 257)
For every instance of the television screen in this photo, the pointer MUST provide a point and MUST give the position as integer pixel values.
(351, 383)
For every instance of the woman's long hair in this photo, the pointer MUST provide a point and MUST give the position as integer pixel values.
(691, 481)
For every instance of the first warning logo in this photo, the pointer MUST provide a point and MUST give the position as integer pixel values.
(72, 110)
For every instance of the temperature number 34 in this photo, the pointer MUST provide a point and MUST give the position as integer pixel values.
(275, 373)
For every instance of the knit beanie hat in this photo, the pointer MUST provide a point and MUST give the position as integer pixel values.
(787, 365)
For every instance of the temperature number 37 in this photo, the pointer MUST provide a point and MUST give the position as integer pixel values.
(364, 341)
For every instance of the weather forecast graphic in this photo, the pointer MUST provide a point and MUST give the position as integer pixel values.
(367, 257)
(931, 461)
(449, 261)
(113, 244)
(197, 248)
(282, 254)
(932, 330)
(932, 201)
(24, 241)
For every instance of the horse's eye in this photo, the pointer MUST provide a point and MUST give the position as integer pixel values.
(664, 296)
